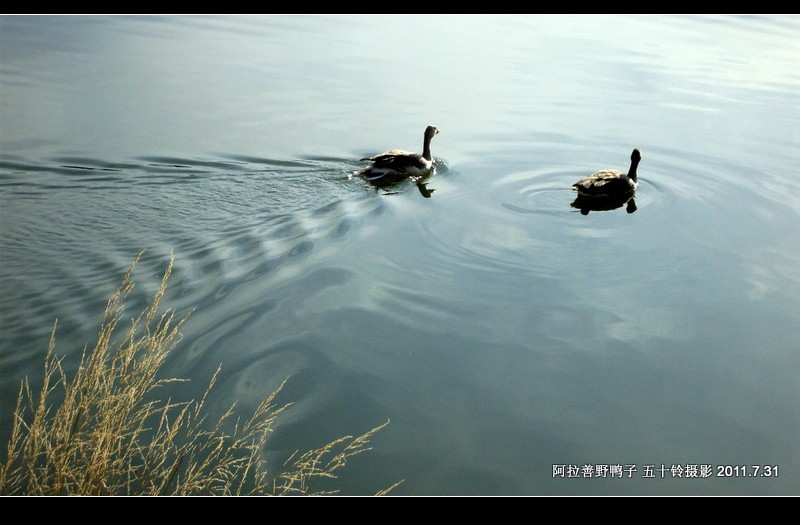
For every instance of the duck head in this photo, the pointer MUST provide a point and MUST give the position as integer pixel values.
(430, 131)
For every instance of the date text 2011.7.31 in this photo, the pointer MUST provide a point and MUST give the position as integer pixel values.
(747, 471)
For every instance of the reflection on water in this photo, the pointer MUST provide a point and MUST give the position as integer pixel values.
(401, 184)
(498, 330)
(605, 203)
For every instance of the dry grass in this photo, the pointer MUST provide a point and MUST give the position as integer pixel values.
(112, 435)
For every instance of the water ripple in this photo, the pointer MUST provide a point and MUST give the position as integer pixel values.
(229, 220)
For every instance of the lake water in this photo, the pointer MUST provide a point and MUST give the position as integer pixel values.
(502, 332)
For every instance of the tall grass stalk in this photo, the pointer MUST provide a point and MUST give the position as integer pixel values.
(108, 432)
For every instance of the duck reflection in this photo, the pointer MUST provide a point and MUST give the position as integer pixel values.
(394, 185)
(586, 203)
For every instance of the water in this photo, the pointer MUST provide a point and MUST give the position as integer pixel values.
(501, 331)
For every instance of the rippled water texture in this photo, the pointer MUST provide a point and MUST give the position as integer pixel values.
(499, 329)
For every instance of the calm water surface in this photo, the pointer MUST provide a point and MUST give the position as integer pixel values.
(500, 330)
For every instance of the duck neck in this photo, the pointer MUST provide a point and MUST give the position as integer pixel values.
(632, 171)
(426, 148)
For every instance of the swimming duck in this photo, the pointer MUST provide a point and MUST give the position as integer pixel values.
(610, 183)
(396, 165)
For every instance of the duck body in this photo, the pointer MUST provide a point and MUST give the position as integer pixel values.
(605, 183)
(610, 183)
(397, 165)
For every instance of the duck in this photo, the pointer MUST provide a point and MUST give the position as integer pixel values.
(396, 165)
(610, 183)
